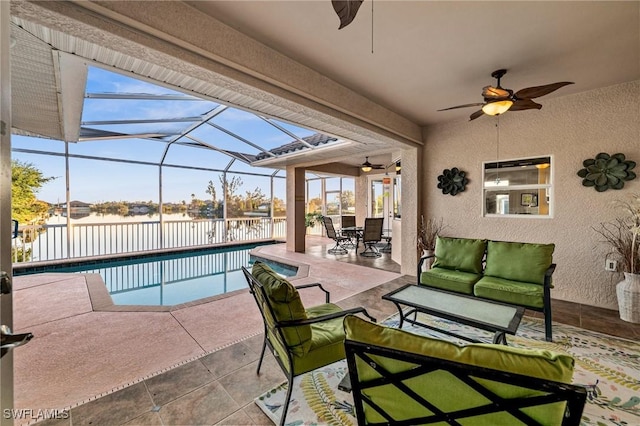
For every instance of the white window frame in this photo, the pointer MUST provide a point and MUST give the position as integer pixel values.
(548, 188)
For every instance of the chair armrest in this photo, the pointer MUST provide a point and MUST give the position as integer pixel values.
(326, 317)
(547, 275)
(326, 292)
(421, 261)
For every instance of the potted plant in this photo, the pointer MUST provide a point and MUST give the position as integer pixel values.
(623, 237)
(312, 219)
(427, 234)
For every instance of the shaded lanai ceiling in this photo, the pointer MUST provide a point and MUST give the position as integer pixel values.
(426, 56)
(430, 55)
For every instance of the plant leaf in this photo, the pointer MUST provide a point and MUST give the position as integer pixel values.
(619, 156)
(593, 176)
(601, 180)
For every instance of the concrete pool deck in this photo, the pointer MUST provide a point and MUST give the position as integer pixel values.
(81, 351)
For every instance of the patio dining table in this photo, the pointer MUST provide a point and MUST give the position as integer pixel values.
(356, 230)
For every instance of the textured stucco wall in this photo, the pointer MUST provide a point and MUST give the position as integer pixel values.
(571, 129)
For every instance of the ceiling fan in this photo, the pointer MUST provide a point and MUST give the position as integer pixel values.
(367, 166)
(346, 10)
(498, 100)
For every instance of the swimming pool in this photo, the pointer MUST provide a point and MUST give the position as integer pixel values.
(172, 279)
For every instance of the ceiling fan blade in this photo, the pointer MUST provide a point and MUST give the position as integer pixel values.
(537, 91)
(522, 104)
(491, 92)
(476, 114)
(346, 10)
(463, 106)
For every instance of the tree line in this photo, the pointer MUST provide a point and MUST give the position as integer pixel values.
(26, 208)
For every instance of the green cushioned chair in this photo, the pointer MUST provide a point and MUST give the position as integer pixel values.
(457, 266)
(399, 377)
(519, 274)
(300, 339)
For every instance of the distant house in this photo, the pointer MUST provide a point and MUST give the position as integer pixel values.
(78, 207)
(263, 210)
(139, 209)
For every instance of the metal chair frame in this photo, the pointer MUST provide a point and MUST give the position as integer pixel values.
(371, 236)
(340, 240)
(387, 238)
(348, 222)
(275, 338)
(573, 395)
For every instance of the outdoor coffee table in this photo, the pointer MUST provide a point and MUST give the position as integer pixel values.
(495, 317)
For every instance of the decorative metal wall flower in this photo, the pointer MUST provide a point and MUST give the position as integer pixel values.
(607, 171)
(452, 181)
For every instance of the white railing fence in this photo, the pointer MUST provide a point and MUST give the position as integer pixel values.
(54, 242)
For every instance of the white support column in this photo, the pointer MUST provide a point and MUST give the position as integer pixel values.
(6, 300)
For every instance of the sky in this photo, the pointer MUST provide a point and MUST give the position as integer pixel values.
(95, 181)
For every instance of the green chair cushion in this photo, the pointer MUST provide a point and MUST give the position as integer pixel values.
(327, 340)
(443, 389)
(448, 279)
(512, 292)
(525, 262)
(462, 254)
(286, 305)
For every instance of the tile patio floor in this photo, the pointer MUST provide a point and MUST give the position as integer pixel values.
(194, 365)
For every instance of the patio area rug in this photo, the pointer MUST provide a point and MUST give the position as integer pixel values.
(608, 366)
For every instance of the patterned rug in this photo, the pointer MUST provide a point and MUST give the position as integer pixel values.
(608, 366)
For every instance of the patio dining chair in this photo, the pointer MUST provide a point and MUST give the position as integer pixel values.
(301, 339)
(371, 236)
(387, 238)
(349, 222)
(340, 239)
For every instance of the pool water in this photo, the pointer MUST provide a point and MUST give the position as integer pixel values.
(177, 278)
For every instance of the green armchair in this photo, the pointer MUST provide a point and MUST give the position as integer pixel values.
(402, 378)
(300, 339)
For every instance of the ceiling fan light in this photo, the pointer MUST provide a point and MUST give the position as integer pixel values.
(366, 166)
(398, 166)
(497, 107)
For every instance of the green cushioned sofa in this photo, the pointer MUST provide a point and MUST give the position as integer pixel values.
(508, 272)
(398, 377)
